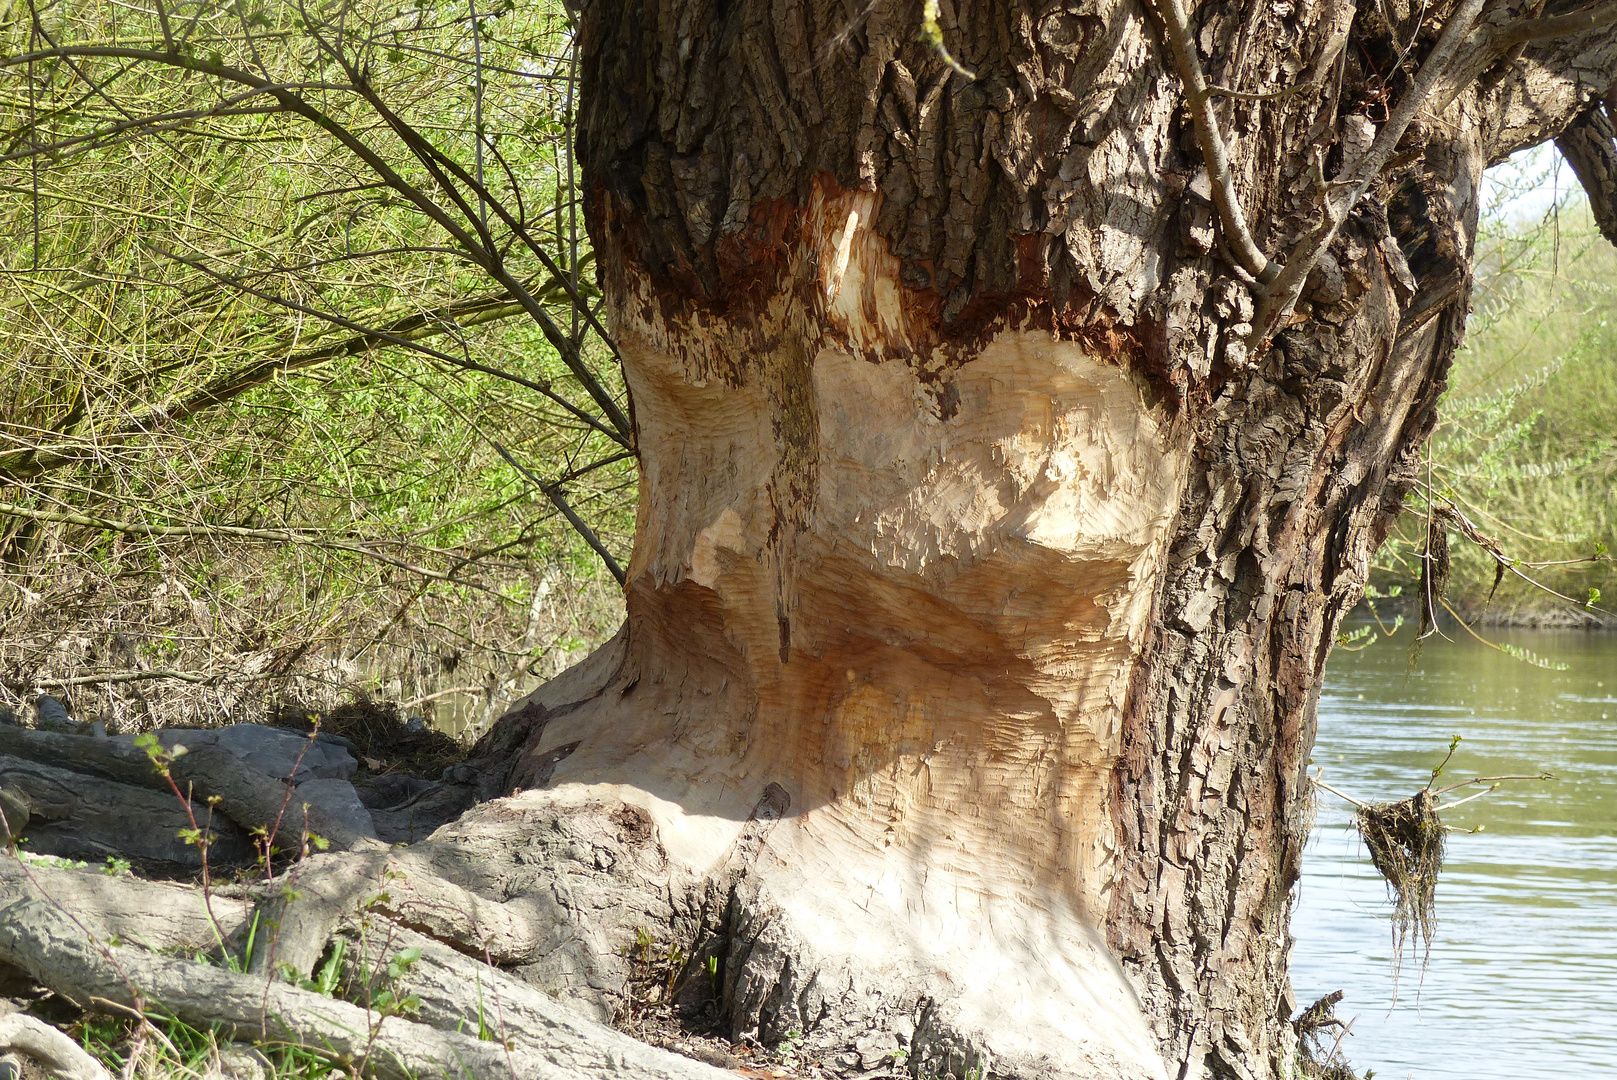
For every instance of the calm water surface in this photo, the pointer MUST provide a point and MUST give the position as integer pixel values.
(1523, 976)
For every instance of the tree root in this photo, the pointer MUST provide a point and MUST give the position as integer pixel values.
(72, 953)
(507, 941)
(59, 1054)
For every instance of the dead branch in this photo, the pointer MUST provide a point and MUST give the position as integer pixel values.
(236, 532)
(37, 937)
(249, 798)
(455, 991)
(154, 915)
(1522, 31)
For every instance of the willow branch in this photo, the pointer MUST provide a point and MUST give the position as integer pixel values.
(412, 328)
(1210, 138)
(236, 532)
(199, 678)
(1339, 794)
(1522, 31)
(553, 492)
(1492, 780)
(1345, 193)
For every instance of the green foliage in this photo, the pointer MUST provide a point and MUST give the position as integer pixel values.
(1526, 445)
(219, 321)
(171, 1049)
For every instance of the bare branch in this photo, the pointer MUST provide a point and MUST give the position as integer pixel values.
(1522, 31)
(237, 532)
(1344, 194)
(1176, 25)
(553, 492)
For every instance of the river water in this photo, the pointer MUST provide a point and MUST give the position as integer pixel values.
(1522, 981)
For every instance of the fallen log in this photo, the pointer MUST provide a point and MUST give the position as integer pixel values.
(93, 819)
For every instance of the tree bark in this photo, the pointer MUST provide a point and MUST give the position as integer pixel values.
(995, 526)
(982, 541)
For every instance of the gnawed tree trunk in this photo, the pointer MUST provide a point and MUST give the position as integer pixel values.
(982, 535)
(995, 526)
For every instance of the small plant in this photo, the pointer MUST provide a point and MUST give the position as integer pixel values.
(326, 979)
(389, 1001)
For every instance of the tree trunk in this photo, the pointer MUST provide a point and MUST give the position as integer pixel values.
(1000, 502)
(982, 540)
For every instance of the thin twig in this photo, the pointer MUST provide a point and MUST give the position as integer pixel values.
(198, 678)
(1494, 780)
(554, 494)
(1340, 794)
(1468, 798)
(234, 531)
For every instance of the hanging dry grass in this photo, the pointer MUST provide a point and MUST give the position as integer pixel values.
(1406, 844)
(1319, 1041)
(1405, 840)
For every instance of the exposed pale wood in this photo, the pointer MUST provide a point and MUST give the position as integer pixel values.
(830, 263)
(33, 1038)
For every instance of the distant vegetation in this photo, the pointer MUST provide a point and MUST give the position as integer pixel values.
(1527, 444)
(271, 352)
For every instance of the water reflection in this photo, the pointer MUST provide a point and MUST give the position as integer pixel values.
(1523, 973)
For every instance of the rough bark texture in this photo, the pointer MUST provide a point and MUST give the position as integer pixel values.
(871, 314)
(987, 561)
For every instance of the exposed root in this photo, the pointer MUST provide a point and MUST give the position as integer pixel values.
(37, 1040)
(417, 1005)
(1319, 1041)
(1405, 840)
(510, 939)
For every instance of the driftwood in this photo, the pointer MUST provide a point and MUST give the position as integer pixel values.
(246, 797)
(94, 820)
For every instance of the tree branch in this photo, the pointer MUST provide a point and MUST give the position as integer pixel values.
(237, 532)
(554, 494)
(1210, 138)
(1522, 31)
(1589, 145)
(1344, 194)
(411, 328)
